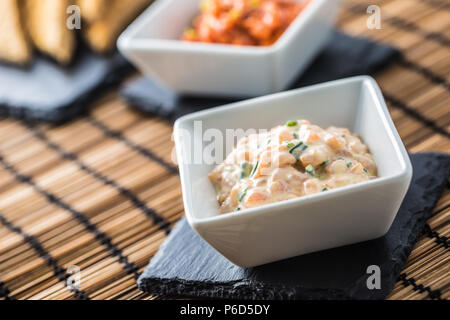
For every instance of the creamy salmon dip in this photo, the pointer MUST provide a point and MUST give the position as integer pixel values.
(290, 161)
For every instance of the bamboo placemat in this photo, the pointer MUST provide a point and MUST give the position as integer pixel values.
(101, 193)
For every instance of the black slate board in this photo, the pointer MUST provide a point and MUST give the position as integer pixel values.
(187, 266)
(49, 92)
(344, 56)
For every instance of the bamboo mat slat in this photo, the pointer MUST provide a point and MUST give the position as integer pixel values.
(102, 192)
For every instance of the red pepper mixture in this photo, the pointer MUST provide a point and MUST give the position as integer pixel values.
(243, 22)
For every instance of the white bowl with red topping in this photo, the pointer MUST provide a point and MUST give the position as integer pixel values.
(311, 222)
(153, 44)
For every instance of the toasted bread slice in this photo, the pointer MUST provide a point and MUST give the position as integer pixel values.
(92, 10)
(103, 33)
(46, 25)
(14, 45)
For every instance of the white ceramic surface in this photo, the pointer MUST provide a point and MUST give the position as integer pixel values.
(152, 44)
(330, 219)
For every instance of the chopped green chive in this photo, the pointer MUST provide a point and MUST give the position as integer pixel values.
(289, 144)
(242, 194)
(238, 209)
(324, 189)
(295, 151)
(349, 164)
(269, 141)
(365, 170)
(246, 169)
(310, 169)
(295, 135)
(341, 158)
(254, 169)
(343, 135)
(295, 147)
(292, 123)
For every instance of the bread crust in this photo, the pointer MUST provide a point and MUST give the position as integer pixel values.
(15, 47)
(102, 34)
(45, 22)
(92, 10)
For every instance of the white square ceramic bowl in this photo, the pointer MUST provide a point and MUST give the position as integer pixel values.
(330, 219)
(152, 44)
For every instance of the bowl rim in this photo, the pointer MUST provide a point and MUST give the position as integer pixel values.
(405, 171)
(129, 41)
